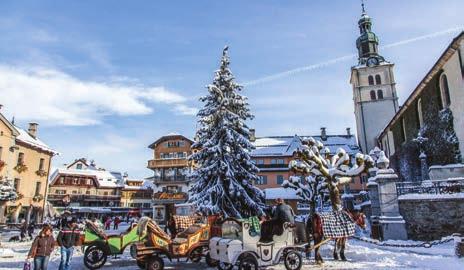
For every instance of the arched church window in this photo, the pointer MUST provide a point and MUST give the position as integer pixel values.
(444, 91)
(371, 80)
(377, 79)
(373, 97)
(379, 94)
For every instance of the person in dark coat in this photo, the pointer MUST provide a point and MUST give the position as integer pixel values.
(68, 238)
(41, 248)
(281, 214)
(30, 229)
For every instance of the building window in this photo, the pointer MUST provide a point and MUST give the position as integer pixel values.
(420, 117)
(79, 166)
(363, 179)
(371, 80)
(87, 192)
(105, 193)
(273, 161)
(444, 91)
(280, 179)
(377, 79)
(74, 192)
(373, 97)
(262, 180)
(280, 161)
(260, 161)
(37, 188)
(41, 164)
(16, 183)
(380, 94)
(20, 159)
(403, 130)
(75, 181)
(1, 150)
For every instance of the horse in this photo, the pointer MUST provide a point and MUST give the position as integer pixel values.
(318, 235)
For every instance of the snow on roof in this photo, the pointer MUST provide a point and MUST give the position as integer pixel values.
(280, 192)
(105, 178)
(286, 145)
(34, 142)
(147, 184)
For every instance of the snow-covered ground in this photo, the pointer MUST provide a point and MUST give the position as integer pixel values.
(360, 255)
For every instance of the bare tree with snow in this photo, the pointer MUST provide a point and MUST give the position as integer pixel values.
(224, 176)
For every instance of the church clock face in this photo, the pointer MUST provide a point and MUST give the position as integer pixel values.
(372, 61)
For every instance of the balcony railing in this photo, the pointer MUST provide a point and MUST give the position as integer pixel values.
(160, 163)
(84, 197)
(266, 166)
(160, 180)
(431, 187)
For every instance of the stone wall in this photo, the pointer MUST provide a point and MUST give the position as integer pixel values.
(432, 218)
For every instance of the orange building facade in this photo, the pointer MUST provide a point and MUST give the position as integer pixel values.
(170, 168)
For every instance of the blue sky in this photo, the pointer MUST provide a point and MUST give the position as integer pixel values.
(104, 79)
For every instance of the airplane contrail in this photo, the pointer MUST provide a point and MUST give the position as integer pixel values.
(348, 57)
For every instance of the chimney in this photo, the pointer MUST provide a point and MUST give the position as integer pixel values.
(1, 106)
(323, 134)
(32, 130)
(252, 135)
(348, 131)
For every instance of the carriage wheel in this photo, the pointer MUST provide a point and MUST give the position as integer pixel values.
(155, 263)
(196, 254)
(248, 263)
(94, 257)
(293, 260)
(210, 261)
(224, 266)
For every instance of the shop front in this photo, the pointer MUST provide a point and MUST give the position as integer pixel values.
(164, 205)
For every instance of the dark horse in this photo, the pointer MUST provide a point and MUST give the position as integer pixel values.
(314, 228)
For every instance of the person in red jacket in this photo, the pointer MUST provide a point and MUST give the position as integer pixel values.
(41, 248)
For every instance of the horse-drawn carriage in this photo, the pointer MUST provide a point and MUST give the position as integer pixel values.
(191, 244)
(99, 245)
(240, 245)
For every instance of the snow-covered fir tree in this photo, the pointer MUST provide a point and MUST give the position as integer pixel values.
(7, 193)
(224, 176)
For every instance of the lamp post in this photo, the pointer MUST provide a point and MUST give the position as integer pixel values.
(422, 156)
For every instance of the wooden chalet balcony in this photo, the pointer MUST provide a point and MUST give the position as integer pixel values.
(165, 163)
(84, 197)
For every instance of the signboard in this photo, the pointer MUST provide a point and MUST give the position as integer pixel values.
(170, 196)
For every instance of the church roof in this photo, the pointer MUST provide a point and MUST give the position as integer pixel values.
(445, 56)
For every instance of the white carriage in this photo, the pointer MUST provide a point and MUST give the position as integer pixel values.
(240, 246)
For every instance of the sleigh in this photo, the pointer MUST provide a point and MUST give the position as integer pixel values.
(190, 244)
(239, 246)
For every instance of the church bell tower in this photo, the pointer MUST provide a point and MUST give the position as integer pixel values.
(374, 92)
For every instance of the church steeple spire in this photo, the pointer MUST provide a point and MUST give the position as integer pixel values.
(367, 42)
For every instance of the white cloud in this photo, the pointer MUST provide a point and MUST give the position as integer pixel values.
(185, 110)
(54, 97)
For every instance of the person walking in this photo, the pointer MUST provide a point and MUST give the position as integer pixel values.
(116, 223)
(30, 230)
(68, 238)
(108, 223)
(41, 248)
(23, 230)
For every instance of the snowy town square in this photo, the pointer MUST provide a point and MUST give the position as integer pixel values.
(248, 134)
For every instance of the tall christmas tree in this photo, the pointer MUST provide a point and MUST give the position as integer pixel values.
(224, 176)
